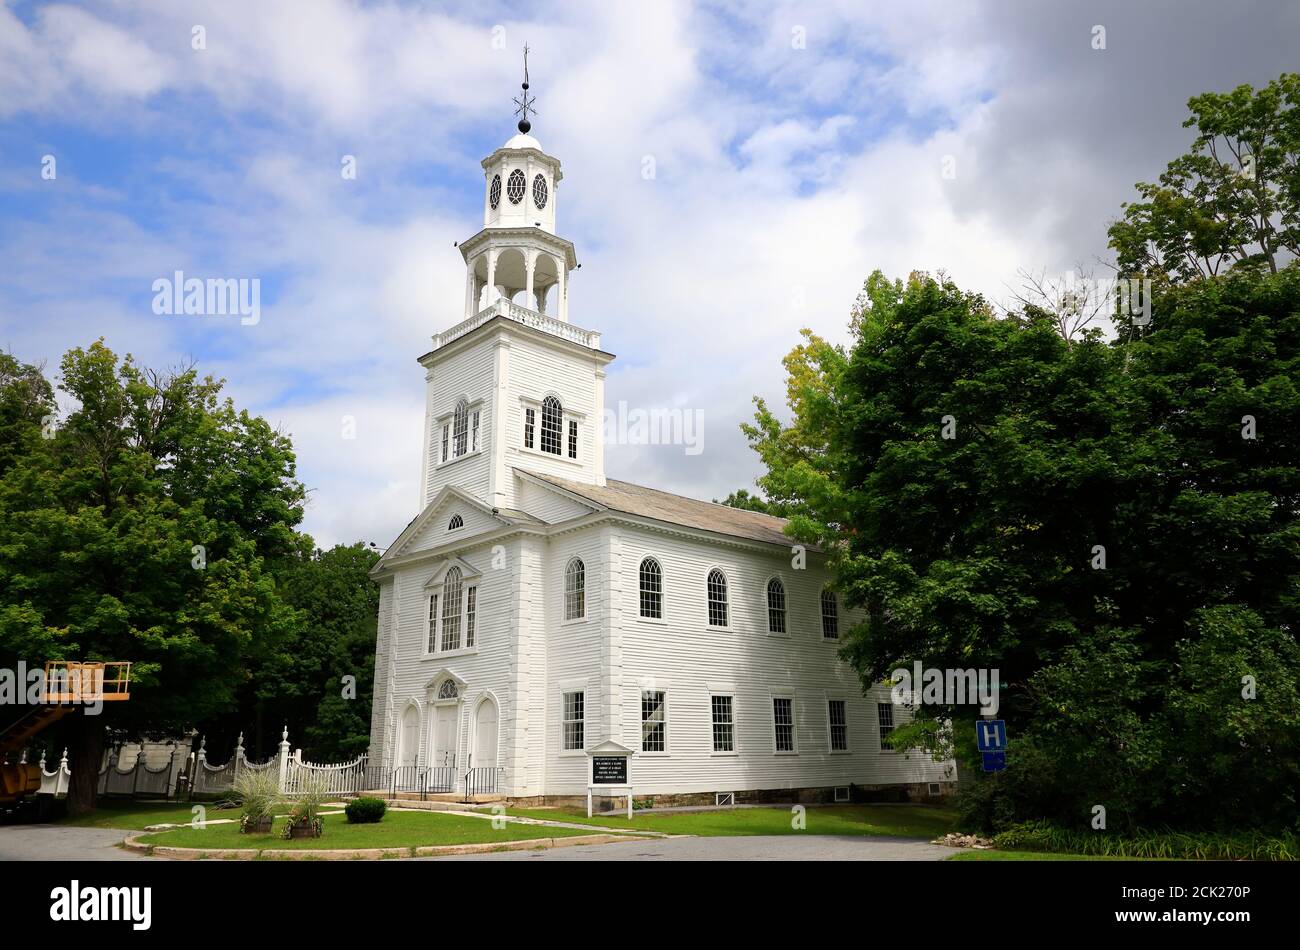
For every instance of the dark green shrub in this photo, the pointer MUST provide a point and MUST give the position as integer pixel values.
(367, 810)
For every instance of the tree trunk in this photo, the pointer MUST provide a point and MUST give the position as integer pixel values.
(85, 752)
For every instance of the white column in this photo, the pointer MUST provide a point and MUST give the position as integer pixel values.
(470, 302)
(561, 290)
(530, 262)
(491, 276)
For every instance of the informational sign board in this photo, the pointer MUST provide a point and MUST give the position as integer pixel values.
(609, 770)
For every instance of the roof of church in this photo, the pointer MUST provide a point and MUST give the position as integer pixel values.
(677, 509)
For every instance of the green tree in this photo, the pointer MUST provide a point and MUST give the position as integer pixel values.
(1070, 515)
(299, 678)
(138, 532)
(1232, 199)
(747, 501)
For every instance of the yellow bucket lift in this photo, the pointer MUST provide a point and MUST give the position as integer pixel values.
(69, 685)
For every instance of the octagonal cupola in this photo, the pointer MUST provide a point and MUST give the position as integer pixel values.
(520, 185)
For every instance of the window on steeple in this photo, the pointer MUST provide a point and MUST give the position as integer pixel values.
(494, 192)
(552, 425)
(539, 192)
(461, 428)
(515, 186)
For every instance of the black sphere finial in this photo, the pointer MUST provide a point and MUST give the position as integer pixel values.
(525, 101)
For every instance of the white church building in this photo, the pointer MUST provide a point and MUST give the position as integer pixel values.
(536, 610)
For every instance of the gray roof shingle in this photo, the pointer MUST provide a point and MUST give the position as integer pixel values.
(676, 509)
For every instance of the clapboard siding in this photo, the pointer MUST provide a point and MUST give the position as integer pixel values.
(467, 374)
(527, 655)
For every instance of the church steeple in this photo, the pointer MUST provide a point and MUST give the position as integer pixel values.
(514, 384)
(517, 256)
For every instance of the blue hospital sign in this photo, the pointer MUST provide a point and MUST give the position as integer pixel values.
(994, 761)
(991, 735)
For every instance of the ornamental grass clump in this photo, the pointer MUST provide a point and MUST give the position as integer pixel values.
(304, 816)
(259, 794)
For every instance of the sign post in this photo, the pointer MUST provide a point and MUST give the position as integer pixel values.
(609, 768)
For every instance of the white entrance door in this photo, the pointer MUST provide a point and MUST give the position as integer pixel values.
(444, 734)
(409, 742)
(485, 735)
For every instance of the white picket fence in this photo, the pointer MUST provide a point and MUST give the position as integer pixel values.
(295, 774)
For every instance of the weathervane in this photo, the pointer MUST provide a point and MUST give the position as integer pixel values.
(524, 101)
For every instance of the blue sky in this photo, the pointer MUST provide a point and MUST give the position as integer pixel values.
(797, 146)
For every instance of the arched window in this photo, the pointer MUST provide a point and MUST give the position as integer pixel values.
(717, 585)
(775, 606)
(830, 615)
(456, 522)
(515, 186)
(575, 590)
(494, 192)
(652, 589)
(448, 690)
(552, 424)
(460, 428)
(539, 192)
(451, 605)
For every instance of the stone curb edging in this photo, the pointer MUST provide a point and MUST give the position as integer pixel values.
(133, 843)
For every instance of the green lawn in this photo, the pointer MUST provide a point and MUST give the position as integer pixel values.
(906, 821)
(398, 830)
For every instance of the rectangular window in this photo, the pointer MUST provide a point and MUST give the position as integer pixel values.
(885, 716)
(473, 432)
(783, 721)
(471, 600)
(839, 725)
(573, 439)
(654, 721)
(530, 422)
(724, 724)
(574, 720)
(830, 616)
(450, 626)
(433, 622)
(446, 431)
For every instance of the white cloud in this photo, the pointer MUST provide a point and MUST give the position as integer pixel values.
(783, 177)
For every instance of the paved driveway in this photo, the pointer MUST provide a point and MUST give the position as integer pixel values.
(58, 843)
(61, 843)
(738, 848)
